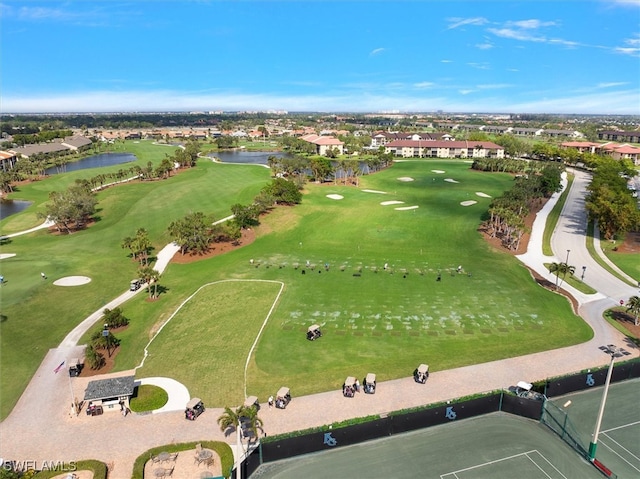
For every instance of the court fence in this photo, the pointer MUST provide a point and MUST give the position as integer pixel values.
(329, 437)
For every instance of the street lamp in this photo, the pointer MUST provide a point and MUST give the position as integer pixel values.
(584, 268)
(614, 352)
(105, 334)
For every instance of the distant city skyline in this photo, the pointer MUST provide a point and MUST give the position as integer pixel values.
(494, 56)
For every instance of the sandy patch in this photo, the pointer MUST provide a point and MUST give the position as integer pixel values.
(468, 203)
(403, 208)
(335, 197)
(7, 255)
(405, 178)
(387, 203)
(483, 195)
(438, 171)
(72, 281)
(451, 180)
(375, 191)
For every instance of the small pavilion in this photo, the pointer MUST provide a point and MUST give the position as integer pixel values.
(111, 394)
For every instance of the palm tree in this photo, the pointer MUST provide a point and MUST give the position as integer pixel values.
(561, 268)
(235, 419)
(633, 306)
(149, 276)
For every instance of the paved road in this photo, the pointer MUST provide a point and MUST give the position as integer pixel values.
(40, 428)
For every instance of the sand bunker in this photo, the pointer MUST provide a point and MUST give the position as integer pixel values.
(468, 203)
(335, 197)
(386, 203)
(72, 281)
(403, 208)
(451, 180)
(483, 195)
(405, 178)
(7, 255)
(438, 171)
(375, 191)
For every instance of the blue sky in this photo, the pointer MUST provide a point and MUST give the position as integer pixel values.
(564, 56)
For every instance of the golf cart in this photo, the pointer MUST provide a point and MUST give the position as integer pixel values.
(75, 367)
(349, 387)
(283, 397)
(313, 332)
(421, 374)
(195, 407)
(369, 384)
(135, 284)
(523, 390)
(252, 401)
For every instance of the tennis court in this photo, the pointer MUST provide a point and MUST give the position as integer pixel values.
(485, 447)
(618, 446)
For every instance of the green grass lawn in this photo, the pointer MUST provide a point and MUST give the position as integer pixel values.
(385, 322)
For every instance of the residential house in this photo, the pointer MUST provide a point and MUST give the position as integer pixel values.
(324, 143)
(7, 160)
(615, 135)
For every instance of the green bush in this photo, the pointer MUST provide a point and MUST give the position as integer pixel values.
(98, 468)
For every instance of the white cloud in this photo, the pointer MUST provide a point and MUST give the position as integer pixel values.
(531, 24)
(376, 51)
(611, 84)
(623, 102)
(484, 46)
(424, 85)
(461, 22)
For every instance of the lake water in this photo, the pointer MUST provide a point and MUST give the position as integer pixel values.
(95, 161)
(242, 156)
(11, 207)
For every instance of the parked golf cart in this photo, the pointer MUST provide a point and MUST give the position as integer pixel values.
(369, 384)
(194, 408)
(421, 374)
(75, 367)
(523, 390)
(135, 284)
(283, 398)
(349, 387)
(252, 401)
(313, 332)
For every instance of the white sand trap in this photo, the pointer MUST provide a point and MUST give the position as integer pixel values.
(7, 255)
(335, 197)
(483, 195)
(72, 281)
(438, 171)
(451, 180)
(403, 208)
(375, 191)
(405, 178)
(468, 203)
(387, 203)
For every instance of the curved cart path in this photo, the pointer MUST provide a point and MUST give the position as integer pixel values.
(53, 434)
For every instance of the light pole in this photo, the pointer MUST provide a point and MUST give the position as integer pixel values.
(105, 334)
(614, 352)
(584, 268)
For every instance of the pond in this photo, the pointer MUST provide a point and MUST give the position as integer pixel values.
(243, 156)
(11, 207)
(95, 161)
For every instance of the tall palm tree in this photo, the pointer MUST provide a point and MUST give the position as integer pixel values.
(234, 419)
(149, 276)
(633, 307)
(561, 268)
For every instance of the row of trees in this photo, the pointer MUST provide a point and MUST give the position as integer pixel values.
(507, 212)
(609, 202)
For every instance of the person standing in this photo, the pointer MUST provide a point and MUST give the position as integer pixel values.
(270, 402)
(43, 276)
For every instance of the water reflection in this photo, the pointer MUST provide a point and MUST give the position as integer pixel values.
(11, 207)
(95, 161)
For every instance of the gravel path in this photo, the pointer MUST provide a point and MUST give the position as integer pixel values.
(41, 428)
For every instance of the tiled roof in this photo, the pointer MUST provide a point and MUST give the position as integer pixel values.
(109, 388)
